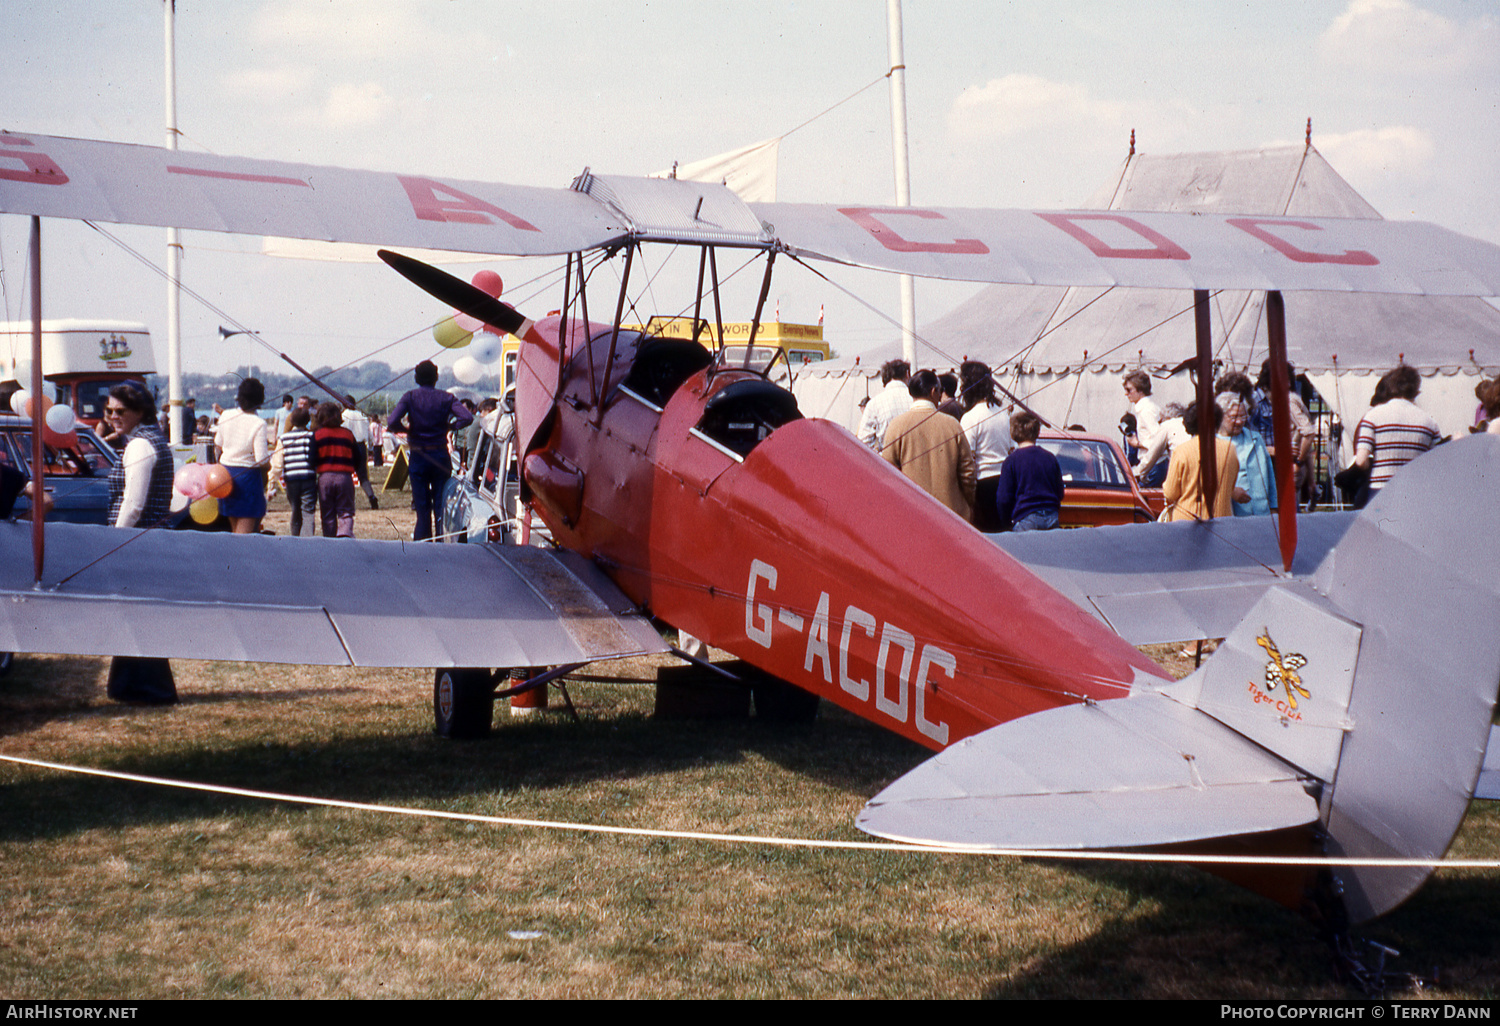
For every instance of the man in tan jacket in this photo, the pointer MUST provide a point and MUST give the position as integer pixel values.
(930, 448)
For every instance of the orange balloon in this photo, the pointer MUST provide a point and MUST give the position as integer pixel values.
(218, 481)
(56, 439)
(31, 408)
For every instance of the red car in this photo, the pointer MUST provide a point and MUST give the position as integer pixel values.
(1098, 487)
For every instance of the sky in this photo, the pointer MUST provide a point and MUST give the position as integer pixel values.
(1022, 104)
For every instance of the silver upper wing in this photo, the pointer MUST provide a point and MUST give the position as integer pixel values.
(54, 176)
(1143, 249)
(123, 184)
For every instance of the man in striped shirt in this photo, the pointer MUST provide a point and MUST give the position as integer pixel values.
(1395, 432)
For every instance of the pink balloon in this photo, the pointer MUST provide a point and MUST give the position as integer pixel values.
(489, 283)
(191, 481)
(468, 323)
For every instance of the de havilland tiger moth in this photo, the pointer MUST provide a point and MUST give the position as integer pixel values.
(1345, 715)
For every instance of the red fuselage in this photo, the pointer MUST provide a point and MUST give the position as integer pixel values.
(810, 557)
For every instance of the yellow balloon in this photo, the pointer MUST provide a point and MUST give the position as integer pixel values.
(449, 335)
(205, 510)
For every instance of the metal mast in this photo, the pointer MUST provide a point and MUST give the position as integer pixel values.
(897, 76)
(174, 255)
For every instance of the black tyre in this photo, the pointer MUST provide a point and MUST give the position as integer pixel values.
(463, 703)
(7, 660)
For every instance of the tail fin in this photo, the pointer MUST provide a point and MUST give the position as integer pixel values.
(1420, 570)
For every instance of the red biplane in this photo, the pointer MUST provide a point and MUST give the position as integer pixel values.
(1346, 714)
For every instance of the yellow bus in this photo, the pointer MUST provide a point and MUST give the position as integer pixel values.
(802, 343)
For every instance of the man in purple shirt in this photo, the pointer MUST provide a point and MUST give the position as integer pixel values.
(427, 414)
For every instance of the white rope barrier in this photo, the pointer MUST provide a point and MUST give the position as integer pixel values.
(785, 842)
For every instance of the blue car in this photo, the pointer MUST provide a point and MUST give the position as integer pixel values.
(77, 477)
(479, 500)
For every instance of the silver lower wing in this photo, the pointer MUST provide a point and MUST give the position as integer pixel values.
(1154, 583)
(335, 602)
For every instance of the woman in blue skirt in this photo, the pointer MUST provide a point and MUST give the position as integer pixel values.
(241, 438)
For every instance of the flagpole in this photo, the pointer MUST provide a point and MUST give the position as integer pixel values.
(903, 171)
(174, 254)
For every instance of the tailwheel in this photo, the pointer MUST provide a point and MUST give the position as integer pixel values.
(463, 703)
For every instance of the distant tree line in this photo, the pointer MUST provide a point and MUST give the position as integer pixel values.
(374, 384)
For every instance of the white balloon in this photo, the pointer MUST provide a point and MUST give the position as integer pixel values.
(18, 401)
(61, 419)
(486, 347)
(467, 370)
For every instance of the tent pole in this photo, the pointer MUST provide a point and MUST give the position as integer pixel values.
(1208, 464)
(1281, 429)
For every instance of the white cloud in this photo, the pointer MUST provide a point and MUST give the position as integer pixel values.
(1397, 36)
(268, 85)
(1020, 103)
(351, 104)
(1398, 152)
(361, 30)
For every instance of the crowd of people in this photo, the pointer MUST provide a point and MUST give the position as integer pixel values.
(317, 454)
(949, 434)
(323, 454)
(1393, 433)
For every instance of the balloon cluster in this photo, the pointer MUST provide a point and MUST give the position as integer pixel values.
(204, 485)
(462, 330)
(58, 421)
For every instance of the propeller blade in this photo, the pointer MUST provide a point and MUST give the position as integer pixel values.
(456, 292)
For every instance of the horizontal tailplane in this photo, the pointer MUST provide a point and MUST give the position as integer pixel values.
(1125, 773)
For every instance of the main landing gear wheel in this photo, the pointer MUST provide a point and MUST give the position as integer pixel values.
(463, 703)
(7, 660)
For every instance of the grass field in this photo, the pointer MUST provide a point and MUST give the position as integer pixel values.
(124, 890)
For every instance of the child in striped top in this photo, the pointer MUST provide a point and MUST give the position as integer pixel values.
(333, 459)
(298, 478)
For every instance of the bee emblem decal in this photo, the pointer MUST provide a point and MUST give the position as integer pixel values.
(1282, 670)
